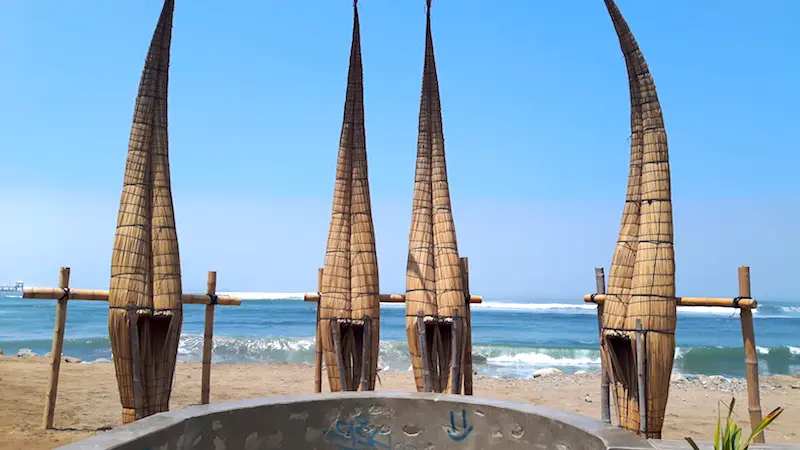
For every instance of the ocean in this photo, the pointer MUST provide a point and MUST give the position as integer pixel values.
(510, 339)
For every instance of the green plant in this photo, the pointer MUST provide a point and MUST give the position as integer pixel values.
(729, 437)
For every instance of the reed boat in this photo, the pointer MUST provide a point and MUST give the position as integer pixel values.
(145, 311)
(437, 322)
(349, 307)
(641, 285)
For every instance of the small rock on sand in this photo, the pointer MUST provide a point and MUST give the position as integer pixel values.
(26, 353)
(677, 378)
(546, 372)
(72, 359)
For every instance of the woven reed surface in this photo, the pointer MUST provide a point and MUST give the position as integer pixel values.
(350, 274)
(651, 282)
(145, 265)
(433, 275)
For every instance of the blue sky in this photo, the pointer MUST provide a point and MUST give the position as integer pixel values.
(536, 124)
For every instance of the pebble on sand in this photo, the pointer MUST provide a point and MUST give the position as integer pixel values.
(26, 353)
(677, 378)
(546, 372)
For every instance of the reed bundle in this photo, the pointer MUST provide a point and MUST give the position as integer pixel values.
(145, 310)
(642, 277)
(349, 309)
(434, 284)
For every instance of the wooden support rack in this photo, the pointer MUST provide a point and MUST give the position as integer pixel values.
(385, 298)
(63, 293)
(462, 325)
(745, 304)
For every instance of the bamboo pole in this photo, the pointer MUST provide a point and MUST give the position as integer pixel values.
(63, 293)
(467, 329)
(741, 303)
(366, 349)
(455, 379)
(318, 345)
(55, 353)
(385, 298)
(102, 296)
(750, 354)
(605, 401)
(641, 372)
(423, 350)
(208, 338)
(337, 348)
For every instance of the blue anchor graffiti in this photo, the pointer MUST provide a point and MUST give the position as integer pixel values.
(456, 434)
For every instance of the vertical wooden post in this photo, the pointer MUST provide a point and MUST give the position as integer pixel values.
(57, 348)
(318, 344)
(366, 352)
(455, 379)
(208, 338)
(467, 329)
(423, 351)
(337, 348)
(139, 394)
(605, 401)
(750, 355)
(641, 372)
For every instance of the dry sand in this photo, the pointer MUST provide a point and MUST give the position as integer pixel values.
(88, 401)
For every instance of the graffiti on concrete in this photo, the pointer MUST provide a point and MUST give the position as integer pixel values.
(456, 433)
(357, 433)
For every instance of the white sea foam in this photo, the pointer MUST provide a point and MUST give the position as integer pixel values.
(794, 350)
(708, 310)
(251, 296)
(533, 306)
(543, 359)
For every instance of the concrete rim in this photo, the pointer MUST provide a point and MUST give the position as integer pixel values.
(613, 437)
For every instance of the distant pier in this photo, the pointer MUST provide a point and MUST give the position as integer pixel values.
(12, 287)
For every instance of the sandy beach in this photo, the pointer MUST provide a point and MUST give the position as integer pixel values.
(88, 401)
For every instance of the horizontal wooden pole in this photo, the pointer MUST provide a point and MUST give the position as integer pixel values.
(102, 296)
(745, 303)
(385, 298)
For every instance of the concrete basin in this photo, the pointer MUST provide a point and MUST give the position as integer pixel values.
(365, 420)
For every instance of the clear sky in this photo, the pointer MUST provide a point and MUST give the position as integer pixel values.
(536, 119)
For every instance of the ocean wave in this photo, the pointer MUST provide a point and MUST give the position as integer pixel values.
(492, 360)
(765, 310)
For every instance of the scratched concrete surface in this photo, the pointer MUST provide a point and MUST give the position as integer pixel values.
(343, 421)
